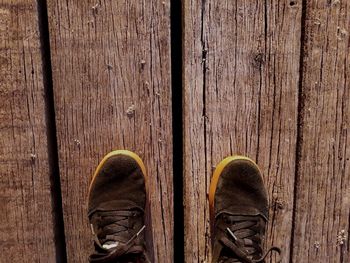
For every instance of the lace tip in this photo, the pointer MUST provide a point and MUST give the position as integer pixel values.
(231, 233)
(140, 231)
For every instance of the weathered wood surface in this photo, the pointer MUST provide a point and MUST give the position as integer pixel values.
(241, 72)
(26, 217)
(323, 189)
(111, 75)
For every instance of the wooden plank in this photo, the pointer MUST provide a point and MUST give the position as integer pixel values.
(323, 189)
(26, 218)
(111, 75)
(241, 68)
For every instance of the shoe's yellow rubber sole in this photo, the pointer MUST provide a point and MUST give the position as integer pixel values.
(120, 152)
(216, 175)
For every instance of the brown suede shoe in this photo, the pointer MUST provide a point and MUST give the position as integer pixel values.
(117, 198)
(239, 211)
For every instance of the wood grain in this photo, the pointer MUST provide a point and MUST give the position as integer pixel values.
(26, 218)
(323, 189)
(241, 68)
(111, 75)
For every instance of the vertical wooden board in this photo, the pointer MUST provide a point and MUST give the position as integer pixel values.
(241, 68)
(323, 189)
(26, 218)
(111, 75)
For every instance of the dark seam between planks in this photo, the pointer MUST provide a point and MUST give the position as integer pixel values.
(58, 223)
(204, 115)
(300, 124)
(176, 89)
